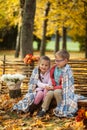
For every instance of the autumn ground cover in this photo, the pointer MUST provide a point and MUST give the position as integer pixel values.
(13, 121)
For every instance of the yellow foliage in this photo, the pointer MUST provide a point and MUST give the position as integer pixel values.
(62, 13)
(9, 13)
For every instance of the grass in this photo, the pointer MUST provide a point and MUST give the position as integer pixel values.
(71, 46)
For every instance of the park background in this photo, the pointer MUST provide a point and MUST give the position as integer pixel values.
(53, 25)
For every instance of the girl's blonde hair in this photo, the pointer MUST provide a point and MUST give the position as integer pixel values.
(63, 54)
(45, 58)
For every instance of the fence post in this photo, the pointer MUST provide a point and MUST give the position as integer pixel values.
(4, 59)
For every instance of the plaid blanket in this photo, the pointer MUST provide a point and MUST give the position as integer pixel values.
(24, 104)
(68, 106)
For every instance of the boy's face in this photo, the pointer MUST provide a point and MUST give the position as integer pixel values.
(44, 66)
(60, 62)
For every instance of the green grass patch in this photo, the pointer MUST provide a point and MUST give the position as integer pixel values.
(71, 46)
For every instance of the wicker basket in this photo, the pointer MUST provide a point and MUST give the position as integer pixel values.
(15, 93)
(14, 89)
(13, 85)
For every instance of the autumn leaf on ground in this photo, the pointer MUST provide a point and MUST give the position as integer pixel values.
(37, 123)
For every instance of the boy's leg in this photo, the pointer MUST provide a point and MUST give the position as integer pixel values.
(47, 100)
(58, 95)
(45, 92)
(39, 96)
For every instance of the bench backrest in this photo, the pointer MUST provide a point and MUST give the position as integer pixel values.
(79, 68)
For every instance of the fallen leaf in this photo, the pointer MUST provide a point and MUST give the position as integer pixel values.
(6, 117)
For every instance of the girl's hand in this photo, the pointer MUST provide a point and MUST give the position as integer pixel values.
(49, 87)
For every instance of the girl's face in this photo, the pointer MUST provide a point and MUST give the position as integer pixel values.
(44, 66)
(60, 62)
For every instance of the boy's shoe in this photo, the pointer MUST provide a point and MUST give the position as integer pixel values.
(41, 113)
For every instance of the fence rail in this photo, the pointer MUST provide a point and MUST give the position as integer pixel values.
(79, 68)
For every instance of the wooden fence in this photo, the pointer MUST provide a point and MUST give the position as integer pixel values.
(79, 68)
(15, 66)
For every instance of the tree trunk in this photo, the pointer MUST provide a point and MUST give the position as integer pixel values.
(19, 31)
(86, 42)
(64, 38)
(18, 43)
(57, 41)
(22, 2)
(38, 46)
(85, 13)
(43, 42)
(26, 42)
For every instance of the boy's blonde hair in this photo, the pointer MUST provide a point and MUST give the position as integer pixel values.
(63, 54)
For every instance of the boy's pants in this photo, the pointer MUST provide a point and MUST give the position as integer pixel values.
(57, 94)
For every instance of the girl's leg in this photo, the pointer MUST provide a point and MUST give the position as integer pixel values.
(58, 95)
(39, 96)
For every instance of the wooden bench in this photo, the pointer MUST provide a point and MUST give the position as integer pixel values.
(82, 103)
(79, 68)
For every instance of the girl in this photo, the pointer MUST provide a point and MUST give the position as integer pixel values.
(39, 84)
